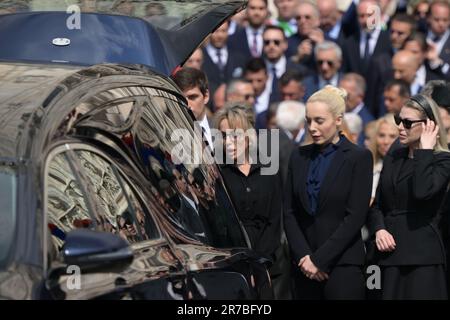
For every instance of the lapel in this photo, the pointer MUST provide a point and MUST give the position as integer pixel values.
(398, 157)
(303, 176)
(334, 169)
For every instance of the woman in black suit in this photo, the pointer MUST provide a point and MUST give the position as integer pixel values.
(256, 194)
(327, 200)
(405, 214)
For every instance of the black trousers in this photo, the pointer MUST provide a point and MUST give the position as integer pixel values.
(344, 283)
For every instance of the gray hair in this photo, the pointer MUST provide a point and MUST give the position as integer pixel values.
(232, 86)
(328, 45)
(290, 115)
(354, 123)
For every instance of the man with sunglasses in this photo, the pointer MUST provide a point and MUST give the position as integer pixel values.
(328, 63)
(274, 47)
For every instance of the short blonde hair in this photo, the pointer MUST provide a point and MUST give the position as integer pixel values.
(239, 116)
(333, 97)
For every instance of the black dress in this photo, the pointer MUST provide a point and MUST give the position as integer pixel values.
(407, 204)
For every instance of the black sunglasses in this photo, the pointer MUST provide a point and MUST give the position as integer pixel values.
(275, 42)
(330, 63)
(406, 123)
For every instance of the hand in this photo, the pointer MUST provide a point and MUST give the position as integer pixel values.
(429, 135)
(304, 49)
(432, 54)
(310, 270)
(385, 241)
(317, 36)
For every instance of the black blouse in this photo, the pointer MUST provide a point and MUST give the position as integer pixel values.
(257, 200)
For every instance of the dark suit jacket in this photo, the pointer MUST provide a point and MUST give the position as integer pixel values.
(238, 43)
(412, 221)
(234, 68)
(352, 56)
(333, 235)
(380, 72)
(311, 84)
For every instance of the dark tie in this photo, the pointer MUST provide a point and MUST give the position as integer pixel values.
(219, 59)
(366, 56)
(274, 94)
(436, 38)
(255, 45)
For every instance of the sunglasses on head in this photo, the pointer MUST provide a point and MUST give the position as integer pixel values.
(328, 62)
(275, 42)
(406, 122)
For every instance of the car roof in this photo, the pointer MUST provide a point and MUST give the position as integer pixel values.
(54, 32)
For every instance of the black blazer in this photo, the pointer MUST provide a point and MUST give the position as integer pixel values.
(412, 221)
(333, 235)
(352, 56)
(238, 42)
(234, 68)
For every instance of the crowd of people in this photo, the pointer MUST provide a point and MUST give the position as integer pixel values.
(361, 98)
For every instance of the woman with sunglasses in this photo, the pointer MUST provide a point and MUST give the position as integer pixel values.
(256, 195)
(327, 200)
(404, 216)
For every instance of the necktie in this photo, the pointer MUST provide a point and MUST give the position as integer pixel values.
(254, 48)
(274, 94)
(366, 52)
(219, 59)
(436, 38)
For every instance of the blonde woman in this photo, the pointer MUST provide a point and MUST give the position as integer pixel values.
(385, 133)
(256, 197)
(327, 199)
(404, 215)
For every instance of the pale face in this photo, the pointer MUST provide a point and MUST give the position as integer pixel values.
(414, 47)
(235, 145)
(354, 97)
(275, 45)
(404, 69)
(292, 91)
(307, 19)
(411, 136)
(286, 8)
(399, 32)
(244, 93)
(195, 60)
(258, 80)
(439, 19)
(329, 14)
(445, 117)
(328, 63)
(322, 124)
(197, 102)
(256, 13)
(386, 135)
(366, 13)
(219, 37)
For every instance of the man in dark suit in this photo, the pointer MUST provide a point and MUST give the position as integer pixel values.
(439, 36)
(221, 64)
(248, 41)
(355, 85)
(331, 22)
(329, 61)
(363, 47)
(275, 46)
(380, 70)
(301, 45)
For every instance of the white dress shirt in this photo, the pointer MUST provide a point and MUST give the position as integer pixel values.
(259, 40)
(419, 80)
(207, 130)
(372, 42)
(212, 52)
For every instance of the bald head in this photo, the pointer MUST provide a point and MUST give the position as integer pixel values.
(405, 65)
(329, 14)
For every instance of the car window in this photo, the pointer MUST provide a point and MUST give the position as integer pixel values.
(8, 187)
(67, 206)
(117, 206)
(104, 203)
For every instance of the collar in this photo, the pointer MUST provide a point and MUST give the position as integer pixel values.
(333, 81)
(250, 30)
(280, 65)
(357, 109)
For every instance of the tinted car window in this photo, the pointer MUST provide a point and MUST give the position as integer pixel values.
(117, 208)
(8, 186)
(67, 206)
